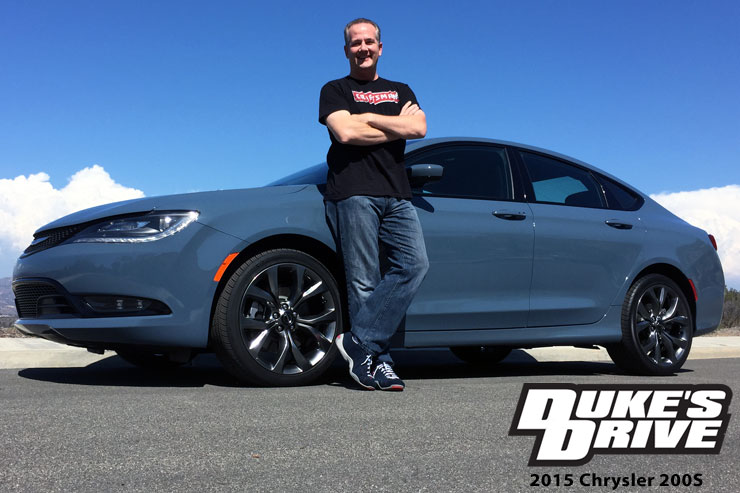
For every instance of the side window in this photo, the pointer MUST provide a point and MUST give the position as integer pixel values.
(470, 171)
(559, 183)
(619, 197)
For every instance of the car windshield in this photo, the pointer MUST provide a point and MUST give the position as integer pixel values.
(314, 175)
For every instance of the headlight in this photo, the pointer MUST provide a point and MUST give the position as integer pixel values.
(136, 229)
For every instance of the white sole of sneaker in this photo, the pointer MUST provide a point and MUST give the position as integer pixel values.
(346, 357)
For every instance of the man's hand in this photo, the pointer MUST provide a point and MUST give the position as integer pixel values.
(411, 123)
(371, 128)
(410, 109)
(356, 130)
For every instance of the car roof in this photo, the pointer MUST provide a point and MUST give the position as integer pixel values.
(415, 145)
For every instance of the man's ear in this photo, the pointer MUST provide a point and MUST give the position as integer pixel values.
(346, 51)
(380, 48)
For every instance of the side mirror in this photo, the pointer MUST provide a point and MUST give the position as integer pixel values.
(419, 174)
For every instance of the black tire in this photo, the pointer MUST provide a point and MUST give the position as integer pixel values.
(481, 355)
(276, 319)
(657, 328)
(149, 359)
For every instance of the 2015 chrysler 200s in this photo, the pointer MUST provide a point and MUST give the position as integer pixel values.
(527, 248)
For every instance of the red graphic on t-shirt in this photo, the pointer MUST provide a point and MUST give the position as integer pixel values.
(375, 97)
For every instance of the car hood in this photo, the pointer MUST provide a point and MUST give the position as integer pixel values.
(213, 202)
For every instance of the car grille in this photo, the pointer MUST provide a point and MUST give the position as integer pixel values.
(52, 237)
(37, 298)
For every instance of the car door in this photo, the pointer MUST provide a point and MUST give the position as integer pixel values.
(479, 240)
(583, 250)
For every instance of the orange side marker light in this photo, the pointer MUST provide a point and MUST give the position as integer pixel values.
(224, 266)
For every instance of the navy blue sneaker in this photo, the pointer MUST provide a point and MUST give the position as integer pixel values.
(359, 361)
(386, 378)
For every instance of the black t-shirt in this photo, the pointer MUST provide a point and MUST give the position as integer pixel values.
(375, 170)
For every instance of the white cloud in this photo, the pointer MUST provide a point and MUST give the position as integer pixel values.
(717, 211)
(28, 202)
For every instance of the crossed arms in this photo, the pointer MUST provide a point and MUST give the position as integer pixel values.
(370, 128)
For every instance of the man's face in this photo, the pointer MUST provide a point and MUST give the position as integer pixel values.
(363, 49)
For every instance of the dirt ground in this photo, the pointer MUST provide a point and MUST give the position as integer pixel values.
(732, 331)
(10, 332)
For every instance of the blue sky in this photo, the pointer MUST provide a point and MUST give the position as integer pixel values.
(177, 96)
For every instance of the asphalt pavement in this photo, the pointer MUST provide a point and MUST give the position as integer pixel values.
(112, 427)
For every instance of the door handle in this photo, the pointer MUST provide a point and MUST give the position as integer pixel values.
(618, 225)
(510, 215)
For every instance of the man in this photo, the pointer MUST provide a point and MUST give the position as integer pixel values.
(368, 204)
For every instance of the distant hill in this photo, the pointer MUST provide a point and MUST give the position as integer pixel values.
(7, 299)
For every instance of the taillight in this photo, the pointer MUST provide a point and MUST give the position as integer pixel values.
(714, 242)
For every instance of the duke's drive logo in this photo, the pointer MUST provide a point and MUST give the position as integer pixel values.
(574, 422)
(375, 97)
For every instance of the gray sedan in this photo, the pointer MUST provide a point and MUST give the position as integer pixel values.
(527, 248)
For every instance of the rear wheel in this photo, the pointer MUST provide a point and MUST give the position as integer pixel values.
(276, 319)
(657, 328)
(481, 355)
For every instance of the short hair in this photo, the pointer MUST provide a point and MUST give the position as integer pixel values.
(360, 20)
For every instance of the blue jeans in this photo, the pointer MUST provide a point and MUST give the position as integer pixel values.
(361, 226)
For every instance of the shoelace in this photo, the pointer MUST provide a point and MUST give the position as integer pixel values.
(387, 370)
(368, 363)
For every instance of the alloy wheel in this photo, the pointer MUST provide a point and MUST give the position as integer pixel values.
(661, 325)
(288, 318)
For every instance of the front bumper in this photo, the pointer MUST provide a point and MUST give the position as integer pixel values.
(178, 271)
